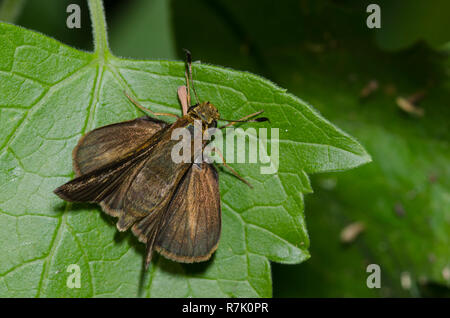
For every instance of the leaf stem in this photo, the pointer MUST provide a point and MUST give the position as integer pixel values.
(99, 29)
(10, 10)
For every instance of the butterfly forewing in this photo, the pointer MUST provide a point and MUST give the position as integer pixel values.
(104, 156)
(97, 184)
(104, 145)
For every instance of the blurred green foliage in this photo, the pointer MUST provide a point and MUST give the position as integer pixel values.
(323, 52)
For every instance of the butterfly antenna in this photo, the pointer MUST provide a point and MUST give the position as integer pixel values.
(189, 71)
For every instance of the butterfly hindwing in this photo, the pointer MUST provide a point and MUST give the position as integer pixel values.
(188, 229)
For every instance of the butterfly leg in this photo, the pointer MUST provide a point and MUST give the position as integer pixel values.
(145, 110)
(245, 119)
(234, 172)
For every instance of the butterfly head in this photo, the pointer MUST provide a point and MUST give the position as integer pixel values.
(206, 112)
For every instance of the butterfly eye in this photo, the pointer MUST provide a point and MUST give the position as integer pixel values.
(192, 107)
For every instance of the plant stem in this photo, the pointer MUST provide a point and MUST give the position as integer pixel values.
(99, 28)
(10, 10)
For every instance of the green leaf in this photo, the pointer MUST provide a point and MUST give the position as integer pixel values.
(52, 94)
